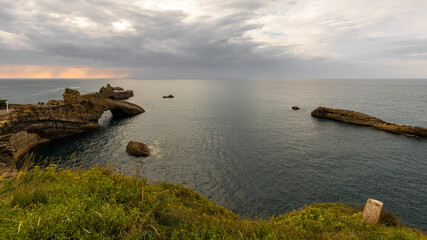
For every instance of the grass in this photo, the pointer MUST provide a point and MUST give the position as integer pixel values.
(99, 204)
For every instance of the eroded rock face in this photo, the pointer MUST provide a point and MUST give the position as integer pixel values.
(116, 93)
(30, 125)
(71, 96)
(138, 149)
(366, 120)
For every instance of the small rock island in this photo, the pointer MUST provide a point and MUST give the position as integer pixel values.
(30, 125)
(138, 149)
(357, 118)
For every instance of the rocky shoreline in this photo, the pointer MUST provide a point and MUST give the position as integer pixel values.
(30, 125)
(357, 118)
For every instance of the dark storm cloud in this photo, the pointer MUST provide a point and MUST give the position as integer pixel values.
(158, 39)
(231, 39)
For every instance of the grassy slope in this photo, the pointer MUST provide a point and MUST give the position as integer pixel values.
(98, 204)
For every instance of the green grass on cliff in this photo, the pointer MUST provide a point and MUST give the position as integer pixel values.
(99, 204)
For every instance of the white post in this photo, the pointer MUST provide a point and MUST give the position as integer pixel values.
(7, 106)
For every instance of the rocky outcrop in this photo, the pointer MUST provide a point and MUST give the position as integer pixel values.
(295, 108)
(169, 96)
(116, 93)
(30, 125)
(138, 149)
(366, 120)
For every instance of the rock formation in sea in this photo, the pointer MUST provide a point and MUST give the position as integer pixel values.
(30, 125)
(295, 108)
(357, 118)
(169, 96)
(138, 149)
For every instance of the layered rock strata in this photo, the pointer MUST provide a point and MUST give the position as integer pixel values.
(30, 125)
(366, 120)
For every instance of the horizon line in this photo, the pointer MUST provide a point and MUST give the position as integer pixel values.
(232, 79)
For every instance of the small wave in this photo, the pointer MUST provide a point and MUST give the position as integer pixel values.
(154, 148)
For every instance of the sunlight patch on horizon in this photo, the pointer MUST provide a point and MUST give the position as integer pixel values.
(32, 71)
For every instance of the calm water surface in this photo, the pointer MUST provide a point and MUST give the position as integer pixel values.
(241, 145)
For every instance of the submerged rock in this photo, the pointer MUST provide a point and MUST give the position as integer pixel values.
(357, 118)
(138, 149)
(295, 108)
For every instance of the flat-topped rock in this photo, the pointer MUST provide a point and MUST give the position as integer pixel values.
(357, 118)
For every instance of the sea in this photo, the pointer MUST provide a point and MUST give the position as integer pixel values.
(239, 143)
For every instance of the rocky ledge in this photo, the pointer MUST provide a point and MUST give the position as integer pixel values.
(30, 125)
(357, 118)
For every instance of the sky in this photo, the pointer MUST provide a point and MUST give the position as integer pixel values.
(205, 39)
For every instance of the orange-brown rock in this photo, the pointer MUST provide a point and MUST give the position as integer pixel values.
(30, 125)
(138, 149)
(366, 120)
(117, 93)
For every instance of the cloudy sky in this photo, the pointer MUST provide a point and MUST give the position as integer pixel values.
(270, 39)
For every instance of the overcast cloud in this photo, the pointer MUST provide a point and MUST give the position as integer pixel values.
(214, 39)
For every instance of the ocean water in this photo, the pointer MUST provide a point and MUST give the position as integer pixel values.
(241, 145)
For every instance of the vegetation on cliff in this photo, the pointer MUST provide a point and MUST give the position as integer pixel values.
(100, 204)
